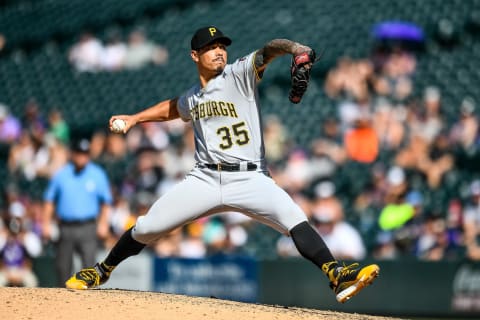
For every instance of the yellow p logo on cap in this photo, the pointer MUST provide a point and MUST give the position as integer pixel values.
(212, 31)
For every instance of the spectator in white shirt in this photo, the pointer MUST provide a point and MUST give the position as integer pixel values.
(114, 53)
(341, 237)
(86, 54)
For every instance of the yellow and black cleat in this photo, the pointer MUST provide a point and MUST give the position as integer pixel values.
(347, 281)
(89, 278)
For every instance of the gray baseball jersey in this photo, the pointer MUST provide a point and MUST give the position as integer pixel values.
(226, 116)
(227, 126)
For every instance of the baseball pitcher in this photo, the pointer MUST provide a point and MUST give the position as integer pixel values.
(230, 171)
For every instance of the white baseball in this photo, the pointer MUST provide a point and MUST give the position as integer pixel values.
(118, 125)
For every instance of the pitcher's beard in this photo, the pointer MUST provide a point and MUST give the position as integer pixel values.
(219, 70)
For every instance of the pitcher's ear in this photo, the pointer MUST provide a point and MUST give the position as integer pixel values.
(194, 55)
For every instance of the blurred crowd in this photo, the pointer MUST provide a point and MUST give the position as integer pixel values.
(370, 183)
(90, 54)
(412, 188)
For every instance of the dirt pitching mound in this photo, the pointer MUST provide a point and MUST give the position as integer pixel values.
(57, 303)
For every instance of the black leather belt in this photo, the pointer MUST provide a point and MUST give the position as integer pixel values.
(250, 166)
(77, 222)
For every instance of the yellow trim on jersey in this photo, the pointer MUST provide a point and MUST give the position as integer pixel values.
(255, 67)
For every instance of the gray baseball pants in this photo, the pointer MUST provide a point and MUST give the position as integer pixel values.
(204, 192)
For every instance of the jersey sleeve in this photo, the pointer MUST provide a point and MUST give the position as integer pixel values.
(183, 107)
(246, 75)
(104, 190)
(52, 189)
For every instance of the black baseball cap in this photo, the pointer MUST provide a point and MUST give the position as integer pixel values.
(207, 35)
(81, 146)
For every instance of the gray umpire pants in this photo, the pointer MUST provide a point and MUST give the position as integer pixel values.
(77, 237)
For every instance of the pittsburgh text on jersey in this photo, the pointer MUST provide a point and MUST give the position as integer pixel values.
(213, 109)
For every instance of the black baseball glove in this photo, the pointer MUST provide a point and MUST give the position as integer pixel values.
(300, 74)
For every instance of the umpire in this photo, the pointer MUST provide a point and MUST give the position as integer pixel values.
(80, 195)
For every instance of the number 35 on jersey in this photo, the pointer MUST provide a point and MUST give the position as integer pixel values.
(236, 134)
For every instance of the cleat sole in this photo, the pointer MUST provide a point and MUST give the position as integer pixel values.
(368, 274)
(76, 284)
